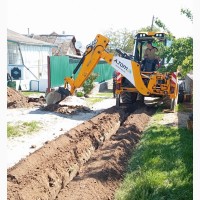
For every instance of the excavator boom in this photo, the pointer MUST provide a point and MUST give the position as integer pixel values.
(97, 50)
(129, 68)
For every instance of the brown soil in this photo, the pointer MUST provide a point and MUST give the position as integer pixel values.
(16, 99)
(86, 162)
(65, 109)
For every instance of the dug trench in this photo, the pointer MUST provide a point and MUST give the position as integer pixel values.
(87, 162)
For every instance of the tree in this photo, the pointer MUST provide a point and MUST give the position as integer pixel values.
(121, 39)
(181, 50)
(148, 29)
(188, 13)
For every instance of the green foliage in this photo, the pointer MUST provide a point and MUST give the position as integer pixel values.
(121, 39)
(148, 29)
(181, 51)
(160, 24)
(89, 83)
(79, 94)
(188, 13)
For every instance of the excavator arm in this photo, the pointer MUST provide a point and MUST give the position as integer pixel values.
(97, 50)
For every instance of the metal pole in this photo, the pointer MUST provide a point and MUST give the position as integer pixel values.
(152, 23)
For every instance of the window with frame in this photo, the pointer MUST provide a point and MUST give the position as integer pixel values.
(14, 57)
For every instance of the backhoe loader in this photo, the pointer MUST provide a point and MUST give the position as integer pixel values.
(131, 83)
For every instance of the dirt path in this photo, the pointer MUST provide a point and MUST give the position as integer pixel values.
(47, 172)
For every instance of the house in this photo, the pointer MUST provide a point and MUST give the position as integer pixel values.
(27, 61)
(65, 43)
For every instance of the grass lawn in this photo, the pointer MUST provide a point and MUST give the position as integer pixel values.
(30, 93)
(161, 167)
(22, 128)
(98, 98)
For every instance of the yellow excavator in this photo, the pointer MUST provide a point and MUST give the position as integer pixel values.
(132, 82)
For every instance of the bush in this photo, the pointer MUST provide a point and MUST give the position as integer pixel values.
(89, 83)
(79, 94)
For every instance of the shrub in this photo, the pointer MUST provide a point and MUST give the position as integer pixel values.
(89, 83)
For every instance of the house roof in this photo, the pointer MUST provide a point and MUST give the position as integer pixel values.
(16, 37)
(54, 38)
(64, 42)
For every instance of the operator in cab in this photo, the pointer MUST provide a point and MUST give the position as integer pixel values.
(151, 60)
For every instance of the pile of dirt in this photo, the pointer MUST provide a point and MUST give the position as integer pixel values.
(94, 154)
(15, 99)
(66, 109)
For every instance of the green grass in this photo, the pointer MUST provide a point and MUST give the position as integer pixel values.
(92, 100)
(104, 94)
(158, 115)
(181, 107)
(161, 166)
(28, 93)
(22, 128)
(98, 98)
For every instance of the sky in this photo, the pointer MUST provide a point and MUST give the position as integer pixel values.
(86, 18)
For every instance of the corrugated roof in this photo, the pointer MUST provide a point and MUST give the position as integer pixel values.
(16, 37)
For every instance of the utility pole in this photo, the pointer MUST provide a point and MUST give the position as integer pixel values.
(152, 23)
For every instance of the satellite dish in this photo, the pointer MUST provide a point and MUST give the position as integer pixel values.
(78, 45)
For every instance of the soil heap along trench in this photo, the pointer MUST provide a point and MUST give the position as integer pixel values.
(15, 99)
(86, 162)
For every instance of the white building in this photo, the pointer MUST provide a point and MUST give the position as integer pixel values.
(27, 61)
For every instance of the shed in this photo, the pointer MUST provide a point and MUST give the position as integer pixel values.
(27, 61)
(189, 83)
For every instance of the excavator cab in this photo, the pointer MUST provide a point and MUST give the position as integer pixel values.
(158, 39)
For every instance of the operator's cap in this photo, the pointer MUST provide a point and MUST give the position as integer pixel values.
(149, 42)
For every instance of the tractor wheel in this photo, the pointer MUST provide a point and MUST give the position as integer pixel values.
(129, 97)
(140, 98)
(169, 103)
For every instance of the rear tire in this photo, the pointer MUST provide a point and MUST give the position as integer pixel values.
(129, 97)
(169, 103)
(166, 102)
(140, 98)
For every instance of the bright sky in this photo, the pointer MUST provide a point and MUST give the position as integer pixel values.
(86, 18)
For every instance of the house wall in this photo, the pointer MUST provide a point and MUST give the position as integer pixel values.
(189, 84)
(31, 61)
